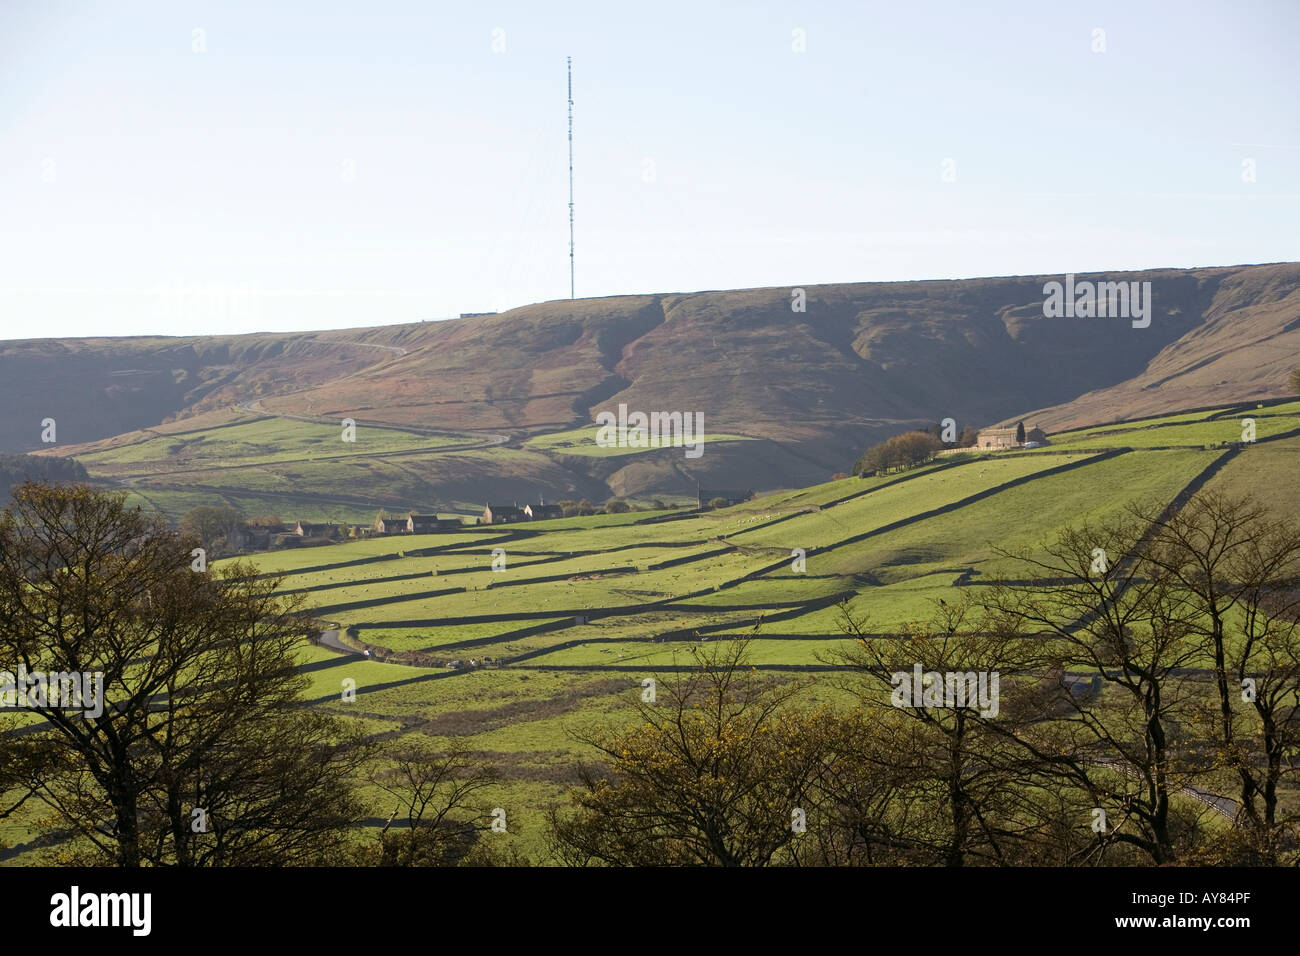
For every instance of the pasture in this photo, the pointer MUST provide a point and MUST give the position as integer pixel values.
(561, 643)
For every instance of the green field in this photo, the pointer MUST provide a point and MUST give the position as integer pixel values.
(582, 441)
(298, 470)
(260, 442)
(543, 688)
(1267, 474)
(1185, 430)
(568, 655)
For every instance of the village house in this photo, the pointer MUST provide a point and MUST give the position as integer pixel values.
(427, 524)
(543, 512)
(390, 525)
(312, 529)
(502, 514)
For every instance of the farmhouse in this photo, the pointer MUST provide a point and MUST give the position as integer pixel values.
(1036, 435)
(997, 438)
(503, 514)
(731, 496)
(390, 525)
(543, 512)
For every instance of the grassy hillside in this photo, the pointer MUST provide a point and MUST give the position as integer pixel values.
(307, 470)
(624, 599)
(97, 388)
(582, 441)
(586, 609)
(1194, 430)
(808, 390)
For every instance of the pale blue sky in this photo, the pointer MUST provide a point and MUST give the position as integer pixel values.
(325, 165)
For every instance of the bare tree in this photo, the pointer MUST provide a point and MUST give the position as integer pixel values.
(1237, 568)
(959, 714)
(1098, 609)
(437, 799)
(200, 752)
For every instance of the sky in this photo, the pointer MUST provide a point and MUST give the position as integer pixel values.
(191, 168)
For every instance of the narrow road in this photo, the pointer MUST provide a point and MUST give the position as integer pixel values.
(331, 641)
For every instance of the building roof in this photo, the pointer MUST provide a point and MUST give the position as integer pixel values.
(431, 521)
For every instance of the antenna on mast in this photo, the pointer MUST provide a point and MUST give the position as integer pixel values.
(570, 62)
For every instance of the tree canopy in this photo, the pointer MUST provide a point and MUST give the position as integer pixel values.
(901, 451)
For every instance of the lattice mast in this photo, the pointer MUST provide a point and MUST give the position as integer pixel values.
(571, 286)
